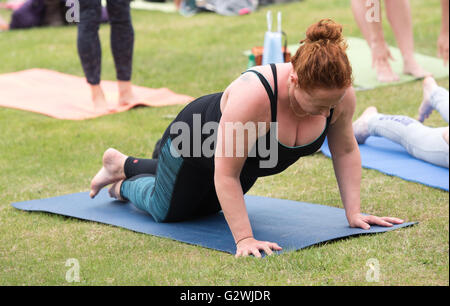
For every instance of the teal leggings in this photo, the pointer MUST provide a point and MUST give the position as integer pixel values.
(153, 193)
(179, 190)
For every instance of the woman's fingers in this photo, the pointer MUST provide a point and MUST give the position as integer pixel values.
(364, 224)
(256, 249)
(242, 253)
(379, 221)
(393, 220)
(256, 253)
(267, 249)
(275, 246)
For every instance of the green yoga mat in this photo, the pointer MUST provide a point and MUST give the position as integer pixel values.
(365, 76)
(166, 7)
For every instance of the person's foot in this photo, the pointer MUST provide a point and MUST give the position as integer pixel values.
(111, 172)
(114, 191)
(126, 96)
(384, 72)
(98, 97)
(425, 109)
(414, 69)
(361, 125)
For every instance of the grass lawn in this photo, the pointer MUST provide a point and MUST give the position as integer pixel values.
(43, 157)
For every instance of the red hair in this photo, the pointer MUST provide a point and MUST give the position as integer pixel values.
(321, 61)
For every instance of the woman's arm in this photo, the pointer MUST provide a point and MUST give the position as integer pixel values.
(347, 165)
(242, 108)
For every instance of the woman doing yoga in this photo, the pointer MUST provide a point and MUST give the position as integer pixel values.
(423, 142)
(293, 105)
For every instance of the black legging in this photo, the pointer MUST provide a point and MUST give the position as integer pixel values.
(122, 38)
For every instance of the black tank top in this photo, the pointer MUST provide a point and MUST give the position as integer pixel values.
(208, 109)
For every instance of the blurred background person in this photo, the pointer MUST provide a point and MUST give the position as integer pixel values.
(443, 36)
(122, 44)
(399, 16)
(423, 142)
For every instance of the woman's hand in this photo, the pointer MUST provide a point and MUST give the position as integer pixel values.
(359, 220)
(381, 55)
(250, 246)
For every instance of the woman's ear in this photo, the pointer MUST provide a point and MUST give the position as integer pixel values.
(294, 78)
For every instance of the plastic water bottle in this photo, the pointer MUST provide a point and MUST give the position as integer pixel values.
(272, 42)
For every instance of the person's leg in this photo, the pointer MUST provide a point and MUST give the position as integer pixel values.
(122, 45)
(420, 141)
(53, 16)
(89, 49)
(177, 3)
(4, 26)
(154, 194)
(180, 190)
(399, 15)
(359, 10)
(372, 31)
(434, 97)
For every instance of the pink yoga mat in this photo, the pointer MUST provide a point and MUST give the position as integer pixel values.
(66, 96)
(12, 5)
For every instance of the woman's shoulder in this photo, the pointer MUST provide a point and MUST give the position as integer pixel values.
(246, 95)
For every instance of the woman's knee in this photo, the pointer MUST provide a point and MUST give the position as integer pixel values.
(119, 11)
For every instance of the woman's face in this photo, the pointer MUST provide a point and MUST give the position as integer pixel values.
(318, 102)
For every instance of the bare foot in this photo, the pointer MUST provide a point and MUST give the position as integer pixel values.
(361, 125)
(414, 69)
(98, 97)
(425, 109)
(114, 191)
(126, 95)
(384, 72)
(111, 172)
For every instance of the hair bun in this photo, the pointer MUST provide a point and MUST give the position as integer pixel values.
(325, 29)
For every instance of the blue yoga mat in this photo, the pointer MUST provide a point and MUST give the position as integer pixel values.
(293, 225)
(388, 157)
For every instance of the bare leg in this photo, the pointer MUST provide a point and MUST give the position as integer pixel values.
(111, 172)
(126, 95)
(4, 26)
(178, 3)
(359, 10)
(373, 33)
(399, 16)
(98, 97)
(443, 36)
